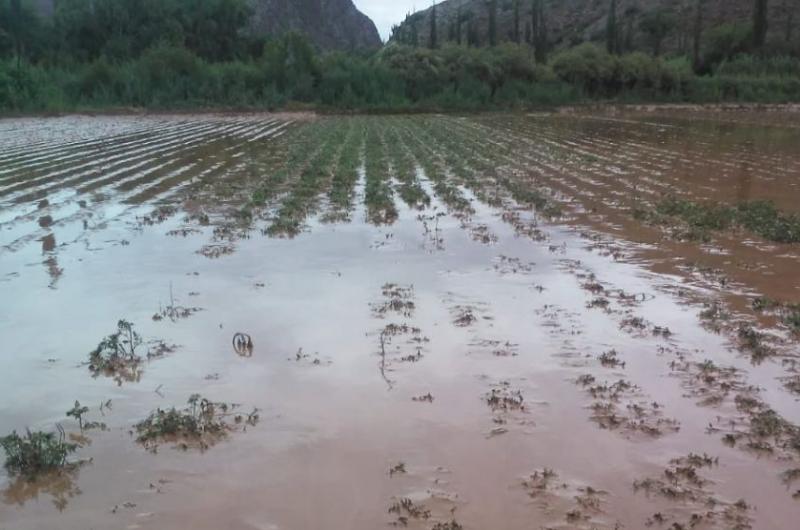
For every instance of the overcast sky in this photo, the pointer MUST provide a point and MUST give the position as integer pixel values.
(385, 13)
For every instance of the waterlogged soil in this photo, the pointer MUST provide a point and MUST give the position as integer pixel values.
(444, 322)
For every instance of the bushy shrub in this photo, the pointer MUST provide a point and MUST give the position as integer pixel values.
(169, 74)
(36, 452)
(753, 66)
(726, 41)
(587, 66)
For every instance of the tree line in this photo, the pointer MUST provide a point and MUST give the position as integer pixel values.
(195, 53)
(632, 29)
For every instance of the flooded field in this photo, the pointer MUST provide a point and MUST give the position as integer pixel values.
(577, 320)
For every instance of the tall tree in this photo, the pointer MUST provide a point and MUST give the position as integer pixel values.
(473, 36)
(458, 23)
(492, 5)
(657, 25)
(516, 33)
(789, 7)
(434, 40)
(697, 31)
(21, 24)
(612, 33)
(630, 14)
(760, 10)
(16, 28)
(539, 31)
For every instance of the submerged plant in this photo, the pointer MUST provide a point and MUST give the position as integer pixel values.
(754, 343)
(699, 219)
(116, 351)
(77, 412)
(36, 452)
(201, 423)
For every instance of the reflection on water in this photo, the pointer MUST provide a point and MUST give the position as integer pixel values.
(744, 176)
(54, 271)
(48, 243)
(61, 487)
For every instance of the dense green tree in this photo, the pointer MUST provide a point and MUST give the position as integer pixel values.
(459, 20)
(657, 26)
(789, 9)
(19, 29)
(726, 41)
(612, 32)
(697, 33)
(539, 31)
(291, 64)
(168, 53)
(760, 23)
(516, 33)
(492, 7)
(121, 29)
(588, 66)
(434, 38)
(627, 44)
(473, 34)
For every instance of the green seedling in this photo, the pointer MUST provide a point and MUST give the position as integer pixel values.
(77, 412)
(117, 351)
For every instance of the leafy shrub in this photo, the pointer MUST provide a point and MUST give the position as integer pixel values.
(727, 40)
(587, 66)
(169, 74)
(36, 452)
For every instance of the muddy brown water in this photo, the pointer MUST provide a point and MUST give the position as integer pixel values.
(105, 218)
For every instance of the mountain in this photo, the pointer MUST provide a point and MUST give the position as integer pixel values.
(330, 24)
(571, 22)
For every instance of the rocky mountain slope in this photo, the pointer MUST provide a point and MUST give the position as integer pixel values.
(330, 24)
(570, 22)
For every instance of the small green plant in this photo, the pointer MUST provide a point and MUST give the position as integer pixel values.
(450, 525)
(77, 412)
(399, 468)
(36, 452)
(696, 221)
(791, 317)
(753, 342)
(610, 359)
(790, 476)
(116, 352)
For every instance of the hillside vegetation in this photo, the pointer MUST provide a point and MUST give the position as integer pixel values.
(203, 53)
(651, 26)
